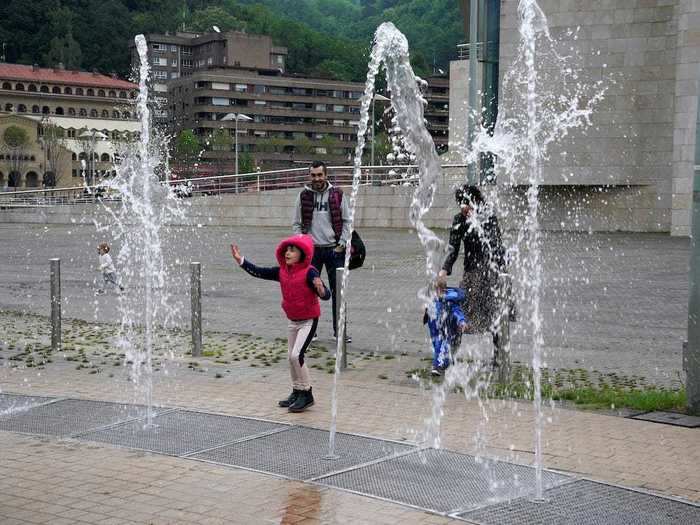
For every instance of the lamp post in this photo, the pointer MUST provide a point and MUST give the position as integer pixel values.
(375, 98)
(236, 117)
(90, 137)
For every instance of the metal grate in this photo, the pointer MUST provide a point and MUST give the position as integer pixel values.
(589, 503)
(70, 416)
(298, 453)
(670, 418)
(441, 481)
(11, 404)
(182, 432)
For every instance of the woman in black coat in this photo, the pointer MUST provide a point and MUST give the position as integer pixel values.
(483, 259)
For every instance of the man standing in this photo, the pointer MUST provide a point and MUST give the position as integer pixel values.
(322, 212)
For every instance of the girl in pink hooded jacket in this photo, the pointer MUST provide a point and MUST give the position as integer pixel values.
(301, 287)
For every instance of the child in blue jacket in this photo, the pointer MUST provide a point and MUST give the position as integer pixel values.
(446, 325)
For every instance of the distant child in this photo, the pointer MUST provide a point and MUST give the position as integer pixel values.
(448, 324)
(109, 273)
(301, 287)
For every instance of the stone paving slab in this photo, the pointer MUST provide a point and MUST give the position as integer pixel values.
(181, 432)
(588, 503)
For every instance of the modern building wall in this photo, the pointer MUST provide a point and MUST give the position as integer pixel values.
(641, 141)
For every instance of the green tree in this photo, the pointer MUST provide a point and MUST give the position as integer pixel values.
(246, 163)
(187, 149)
(204, 19)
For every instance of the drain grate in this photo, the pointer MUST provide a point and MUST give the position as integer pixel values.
(589, 503)
(441, 481)
(70, 416)
(298, 453)
(12, 404)
(670, 418)
(182, 432)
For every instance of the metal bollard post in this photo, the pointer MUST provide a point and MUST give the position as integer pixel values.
(503, 356)
(341, 333)
(55, 304)
(196, 306)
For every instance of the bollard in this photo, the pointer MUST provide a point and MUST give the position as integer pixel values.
(503, 355)
(339, 299)
(55, 304)
(196, 306)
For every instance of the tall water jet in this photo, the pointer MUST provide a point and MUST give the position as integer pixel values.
(547, 85)
(391, 49)
(145, 206)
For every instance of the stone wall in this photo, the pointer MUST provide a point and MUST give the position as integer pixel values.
(563, 208)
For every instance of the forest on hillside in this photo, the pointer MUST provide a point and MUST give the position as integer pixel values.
(327, 38)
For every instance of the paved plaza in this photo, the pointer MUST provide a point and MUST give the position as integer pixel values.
(613, 302)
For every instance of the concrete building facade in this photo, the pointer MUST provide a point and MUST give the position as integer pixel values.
(293, 119)
(34, 98)
(177, 55)
(632, 168)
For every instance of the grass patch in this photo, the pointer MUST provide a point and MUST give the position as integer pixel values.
(646, 400)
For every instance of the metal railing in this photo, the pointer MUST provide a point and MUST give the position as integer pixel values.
(293, 178)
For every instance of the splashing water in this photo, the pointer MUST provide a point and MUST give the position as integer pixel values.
(146, 205)
(391, 49)
(547, 85)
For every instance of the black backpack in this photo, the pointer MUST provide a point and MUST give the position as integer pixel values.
(357, 251)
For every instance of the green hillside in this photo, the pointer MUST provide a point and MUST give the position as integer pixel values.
(328, 38)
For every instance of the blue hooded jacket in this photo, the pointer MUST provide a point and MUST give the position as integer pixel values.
(444, 327)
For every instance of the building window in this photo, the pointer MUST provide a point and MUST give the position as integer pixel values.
(59, 111)
(115, 114)
(21, 108)
(160, 74)
(56, 90)
(83, 112)
(126, 115)
(241, 88)
(122, 94)
(45, 110)
(31, 87)
(79, 91)
(71, 112)
(320, 107)
(159, 48)
(68, 91)
(6, 85)
(90, 92)
(210, 61)
(174, 75)
(71, 135)
(187, 63)
(101, 93)
(105, 113)
(93, 113)
(19, 87)
(338, 109)
(187, 51)
(173, 62)
(35, 109)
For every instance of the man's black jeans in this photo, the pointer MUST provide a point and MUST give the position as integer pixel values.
(332, 260)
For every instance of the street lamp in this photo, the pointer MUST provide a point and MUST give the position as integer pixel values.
(236, 117)
(90, 137)
(383, 99)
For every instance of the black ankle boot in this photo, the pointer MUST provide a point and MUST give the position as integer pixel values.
(303, 401)
(291, 399)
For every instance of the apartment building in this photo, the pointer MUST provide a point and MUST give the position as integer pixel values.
(177, 55)
(284, 119)
(437, 95)
(31, 98)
